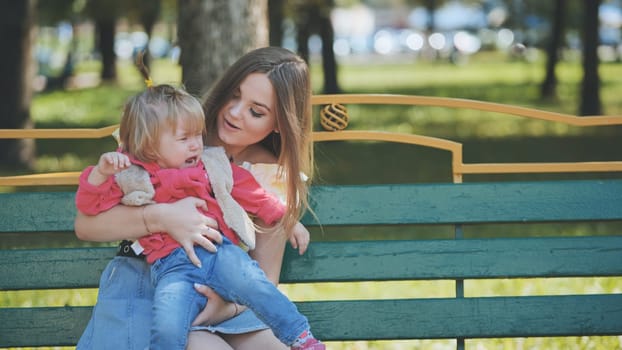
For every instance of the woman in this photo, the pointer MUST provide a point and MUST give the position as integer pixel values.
(260, 112)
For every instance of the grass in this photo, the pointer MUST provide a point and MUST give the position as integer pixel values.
(488, 77)
(486, 137)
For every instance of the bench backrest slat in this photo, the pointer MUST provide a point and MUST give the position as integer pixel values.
(37, 211)
(387, 204)
(468, 203)
(53, 268)
(466, 317)
(43, 326)
(456, 259)
(359, 261)
(382, 319)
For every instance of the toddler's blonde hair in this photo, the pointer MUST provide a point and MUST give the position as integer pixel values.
(159, 106)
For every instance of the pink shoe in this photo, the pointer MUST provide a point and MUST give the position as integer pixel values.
(310, 344)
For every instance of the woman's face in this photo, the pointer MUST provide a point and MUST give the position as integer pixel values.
(250, 115)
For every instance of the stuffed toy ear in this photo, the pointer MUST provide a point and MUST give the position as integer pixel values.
(136, 186)
(220, 176)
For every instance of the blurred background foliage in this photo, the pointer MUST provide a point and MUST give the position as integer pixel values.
(530, 53)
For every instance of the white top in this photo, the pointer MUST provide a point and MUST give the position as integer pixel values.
(271, 178)
(268, 177)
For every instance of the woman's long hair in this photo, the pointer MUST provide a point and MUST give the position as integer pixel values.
(289, 75)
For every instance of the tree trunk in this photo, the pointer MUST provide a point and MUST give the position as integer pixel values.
(549, 86)
(314, 17)
(149, 16)
(430, 5)
(275, 22)
(214, 33)
(590, 86)
(104, 14)
(17, 67)
(303, 32)
(329, 62)
(106, 29)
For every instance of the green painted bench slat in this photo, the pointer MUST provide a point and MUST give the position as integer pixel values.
(53, 268)
(43, 326)
(380, 319)
(356, 261)
(387, 204)
(456, 259)
(37, 211)
(468, 317)
(467, 203)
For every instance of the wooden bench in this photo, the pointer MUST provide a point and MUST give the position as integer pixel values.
(543, 206)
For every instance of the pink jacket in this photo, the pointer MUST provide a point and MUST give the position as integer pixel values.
(172, 185)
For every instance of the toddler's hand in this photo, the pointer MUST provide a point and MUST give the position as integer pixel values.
(111, 163)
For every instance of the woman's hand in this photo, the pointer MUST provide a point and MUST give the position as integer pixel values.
(299, 238)
(186, 224)
(216, 310)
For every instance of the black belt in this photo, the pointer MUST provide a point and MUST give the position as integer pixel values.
(125, 249)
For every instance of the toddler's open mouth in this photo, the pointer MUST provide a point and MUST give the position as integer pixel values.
(192, 161)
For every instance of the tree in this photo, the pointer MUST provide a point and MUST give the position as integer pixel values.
(314, 17)
(430, 5)
(329, 61)
(51, 13)
(105, 13)
(16, 26)
(590, 85)
(548, 89)
(275, 16)
(212, 34)
(147, 13)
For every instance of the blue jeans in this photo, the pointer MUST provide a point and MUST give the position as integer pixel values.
(234, 276)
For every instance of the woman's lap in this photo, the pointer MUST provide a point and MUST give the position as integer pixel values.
(121, 318)
(263, 339)
(243, 323)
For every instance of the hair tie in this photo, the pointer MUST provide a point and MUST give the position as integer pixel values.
(149, 82)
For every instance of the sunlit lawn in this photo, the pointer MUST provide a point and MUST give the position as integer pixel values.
(489, 77)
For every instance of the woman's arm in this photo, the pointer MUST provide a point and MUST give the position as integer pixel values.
(182, 220)
(119, 222)
(268, 252)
